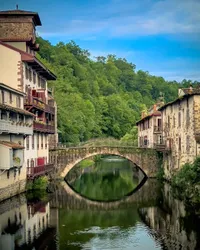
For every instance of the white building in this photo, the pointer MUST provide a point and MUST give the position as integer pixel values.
(15, 124)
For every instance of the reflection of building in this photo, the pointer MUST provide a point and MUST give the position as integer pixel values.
(23, 224)
(149, 128)
(167, 221)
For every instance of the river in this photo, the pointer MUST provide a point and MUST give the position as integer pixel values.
(101, 207)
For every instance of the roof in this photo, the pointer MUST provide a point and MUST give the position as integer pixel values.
(36, 18)
(16, 110)
(38, 66)
(156, 113)
(33, 62)
(12, 89)
(11, 144)
(192, 93)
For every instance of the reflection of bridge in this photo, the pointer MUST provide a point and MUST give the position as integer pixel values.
(65, 197)
(65, 158)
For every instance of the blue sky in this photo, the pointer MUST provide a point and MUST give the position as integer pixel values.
(159, 36)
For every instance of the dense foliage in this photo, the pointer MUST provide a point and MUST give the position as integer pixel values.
(187, 181)
(101, 97)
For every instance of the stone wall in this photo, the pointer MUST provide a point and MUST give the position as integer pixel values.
(12, 190)
(16, 28)
(65, 159)
(180, 121)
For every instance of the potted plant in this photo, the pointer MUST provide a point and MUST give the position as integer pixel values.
(16, 161)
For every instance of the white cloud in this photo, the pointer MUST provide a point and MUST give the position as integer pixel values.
(147, 17)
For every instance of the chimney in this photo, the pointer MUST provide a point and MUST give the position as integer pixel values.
(154, 108)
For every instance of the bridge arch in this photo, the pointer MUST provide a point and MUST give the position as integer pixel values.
(76, 161)
(66, 158)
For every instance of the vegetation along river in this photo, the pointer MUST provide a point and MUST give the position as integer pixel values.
(100, 206)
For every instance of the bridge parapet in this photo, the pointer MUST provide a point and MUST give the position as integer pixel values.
(65, 159)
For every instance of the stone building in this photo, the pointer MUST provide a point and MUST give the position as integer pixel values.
(26, 76)
(149, 128)
(181, 130)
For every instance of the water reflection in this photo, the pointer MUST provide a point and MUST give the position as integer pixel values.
(24, 224)
(149, 219)
(108, 179)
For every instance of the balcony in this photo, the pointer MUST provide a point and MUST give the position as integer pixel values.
(163, 145)
(13, 127)
(33, 172)
(157, 130)
(42, 127)
(38, 103)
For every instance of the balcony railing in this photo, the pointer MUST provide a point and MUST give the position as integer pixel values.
(163, 145)
(35, 102)
(13, 127)
(157, 129)
(36, 171)
(45, 128)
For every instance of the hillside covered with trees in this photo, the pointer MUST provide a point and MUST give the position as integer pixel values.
(102, 97)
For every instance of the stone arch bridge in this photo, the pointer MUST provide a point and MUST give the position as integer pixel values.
(65, 159)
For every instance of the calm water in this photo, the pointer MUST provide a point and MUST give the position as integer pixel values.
(102, 210)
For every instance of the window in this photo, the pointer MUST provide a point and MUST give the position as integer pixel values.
(42, 141)
(39, 83)
(187, 143)
(179, 119)
(8, 174)
(187, 117)
(27, 142)
(168, 120)
(30, 74)
(33, 142)
(38, 140)
(26, 72)
(46, 136)
(32, 163)
(179, 144)
(28, 163)
(174, 121)
(18, 102)
(187, 103)
(43, 83)
(34, 77)
(2, 97)
(10, 97)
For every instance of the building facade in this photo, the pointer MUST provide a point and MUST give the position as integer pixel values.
(174, 130)
(149, 128)
(15, 124)
(26, 102)
(181, 131)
